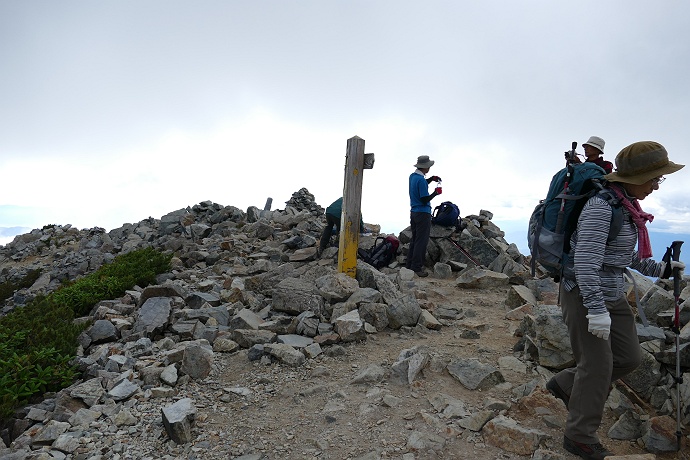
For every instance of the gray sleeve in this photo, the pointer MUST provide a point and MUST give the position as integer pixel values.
(592, 233)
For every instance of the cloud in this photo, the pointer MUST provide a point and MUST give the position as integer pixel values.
(116, 112)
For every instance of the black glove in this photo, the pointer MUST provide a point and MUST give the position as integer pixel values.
(435, 178)
(666, 261)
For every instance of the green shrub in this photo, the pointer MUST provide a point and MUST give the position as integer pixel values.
(38, 341)
(112, 280)
(7, 288)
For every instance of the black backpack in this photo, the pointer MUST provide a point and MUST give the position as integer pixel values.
(446, 214)
(381, 253)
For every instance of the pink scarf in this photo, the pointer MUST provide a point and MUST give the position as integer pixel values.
(644, 246)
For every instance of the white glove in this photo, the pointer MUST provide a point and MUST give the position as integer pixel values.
(600, 325)
(677, 264)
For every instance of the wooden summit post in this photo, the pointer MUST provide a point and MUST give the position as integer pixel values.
(352, 201)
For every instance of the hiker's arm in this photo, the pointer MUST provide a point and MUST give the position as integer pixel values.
(648, 267)
(426, 199)
(592, 233)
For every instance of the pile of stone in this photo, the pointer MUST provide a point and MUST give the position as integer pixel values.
(253, 281)
(302, 200)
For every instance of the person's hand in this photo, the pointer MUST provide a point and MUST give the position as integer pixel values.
(600, 325)
(438, 190)
(667, 265)
(435, 178)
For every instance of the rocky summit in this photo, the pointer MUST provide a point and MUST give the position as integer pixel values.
(254, 347)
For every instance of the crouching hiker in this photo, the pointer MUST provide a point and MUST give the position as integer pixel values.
(333, 215)
(600, 322)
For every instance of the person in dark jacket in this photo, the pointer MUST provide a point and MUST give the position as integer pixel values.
(333, 214)
(420, 214)
(600, 322)
(594, 151)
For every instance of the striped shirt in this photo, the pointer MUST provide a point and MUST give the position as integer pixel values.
(599, 265)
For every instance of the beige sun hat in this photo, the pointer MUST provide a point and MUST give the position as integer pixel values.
(596, 142)
(424, 162)
(640, 162)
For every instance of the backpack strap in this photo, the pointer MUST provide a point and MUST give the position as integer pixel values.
(617, 212)
(638, 303)
(615, 226)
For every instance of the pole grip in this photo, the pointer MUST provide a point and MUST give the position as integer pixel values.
(675, 255)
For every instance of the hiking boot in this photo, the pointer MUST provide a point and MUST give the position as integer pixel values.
(422, 273)
(556, 390)
(586, 451)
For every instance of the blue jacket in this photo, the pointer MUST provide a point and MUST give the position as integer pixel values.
(418, 189)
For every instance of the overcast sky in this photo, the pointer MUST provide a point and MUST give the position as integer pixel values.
(115, 111)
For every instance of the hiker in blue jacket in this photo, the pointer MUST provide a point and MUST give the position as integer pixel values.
(420, 214)
(600, 322)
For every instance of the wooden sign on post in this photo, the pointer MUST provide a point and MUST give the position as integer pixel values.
(352, 201)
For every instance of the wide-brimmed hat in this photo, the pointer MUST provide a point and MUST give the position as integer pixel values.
(640, 162)
(596, 142)
(424, 162)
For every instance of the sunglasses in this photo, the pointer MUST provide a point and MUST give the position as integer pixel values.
(658, 180)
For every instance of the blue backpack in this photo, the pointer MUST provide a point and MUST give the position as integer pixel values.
(554, 219)
(446, 214)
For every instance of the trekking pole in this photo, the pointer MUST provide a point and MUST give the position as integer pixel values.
(569, 159)
(463, 251)
(675, 255)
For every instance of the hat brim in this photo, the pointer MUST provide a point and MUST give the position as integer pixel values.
(425, 165)
(639, 179)
(595, 146)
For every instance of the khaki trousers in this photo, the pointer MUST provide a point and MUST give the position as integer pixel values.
(598, 363)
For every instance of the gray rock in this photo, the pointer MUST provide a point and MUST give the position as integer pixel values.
(169, 375)
(507, 434)
(295, 341)
(404, 311)
(103, 331)
(477, 278)
(420, 441)
(645, 376)
(247, 338)
(295, 296)
(90, 391)
(124, 390)
(350, 327)
(285, 354)
(660, 435)
(49, 433)
(477, 420)
(178, 419)
(409, 364)
(375, 314)
(197, 361)
(365, 296)
(448, 407)
(336, 287)
(199, 299)
(475, 375)
(629, 426)
(371, 374)
(153, 316)
(245, 319)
